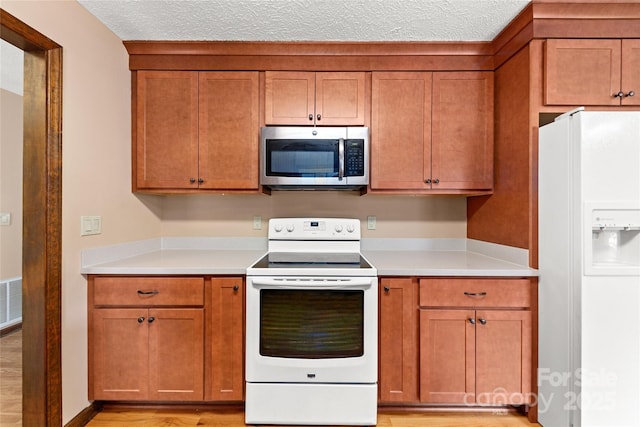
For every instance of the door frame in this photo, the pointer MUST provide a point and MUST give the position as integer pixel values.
(42, 219)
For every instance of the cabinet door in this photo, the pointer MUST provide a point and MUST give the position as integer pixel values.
(118, 354)
(340, 99)
(166, 130)
(401, 130)
(398, 378)
(503, 357)
(462, 136)
(227, 339)
(229, 129)
(582, 72)
(447, 356)
(631, 71)
(176, 354)
(289, 97)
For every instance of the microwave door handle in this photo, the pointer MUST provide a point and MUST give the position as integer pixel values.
(340, 159)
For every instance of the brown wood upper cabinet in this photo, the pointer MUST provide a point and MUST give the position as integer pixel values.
(592, 72)
(196, 131)
(310, 98)
(432, 132)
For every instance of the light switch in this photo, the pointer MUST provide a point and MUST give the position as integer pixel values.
(5, 218)
(90, 225)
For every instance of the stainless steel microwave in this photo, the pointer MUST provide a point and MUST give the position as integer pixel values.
(314, 157)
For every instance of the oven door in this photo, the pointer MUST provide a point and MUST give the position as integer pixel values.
(312, 330)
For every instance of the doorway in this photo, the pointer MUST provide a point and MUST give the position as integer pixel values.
(42, 219)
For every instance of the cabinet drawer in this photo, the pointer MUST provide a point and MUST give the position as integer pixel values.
(148, 291)
(475, 293)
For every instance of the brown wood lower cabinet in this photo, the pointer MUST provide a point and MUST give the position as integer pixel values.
(398, 378)
(165, 338)
(475, 357)
(148, 354)
(226, 339)
(455, 341)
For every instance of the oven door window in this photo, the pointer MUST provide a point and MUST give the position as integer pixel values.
(318, 158)
(314, 324)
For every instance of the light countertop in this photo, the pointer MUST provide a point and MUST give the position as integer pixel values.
(443, 263)
(220, 256)
(180, 262)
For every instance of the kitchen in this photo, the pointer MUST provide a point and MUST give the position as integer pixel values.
(97, 165)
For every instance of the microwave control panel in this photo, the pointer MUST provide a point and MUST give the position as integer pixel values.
(354, 157)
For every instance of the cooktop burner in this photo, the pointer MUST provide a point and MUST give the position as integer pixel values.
(277, 260)
(313, 247)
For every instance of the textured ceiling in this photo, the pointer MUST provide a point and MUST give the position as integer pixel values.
(306, 20)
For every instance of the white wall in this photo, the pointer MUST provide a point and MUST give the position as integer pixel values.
(11, 184)
(96, 164)
(232, 215)
(11, 65)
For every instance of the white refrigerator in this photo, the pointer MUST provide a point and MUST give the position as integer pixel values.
(589, 267)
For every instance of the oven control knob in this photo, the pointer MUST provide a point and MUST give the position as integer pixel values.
(290, 227)
(338, 228)
(350, 228)
(278, 228)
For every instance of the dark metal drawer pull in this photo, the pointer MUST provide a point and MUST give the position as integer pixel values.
(148, 292)
(476, 294)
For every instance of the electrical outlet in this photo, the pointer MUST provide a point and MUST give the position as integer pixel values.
(90, 225)
(371, 222)
(257, 223)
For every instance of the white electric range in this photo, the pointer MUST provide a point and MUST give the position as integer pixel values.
(312, 327)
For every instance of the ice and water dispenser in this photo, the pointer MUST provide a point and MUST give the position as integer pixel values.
(613, 245)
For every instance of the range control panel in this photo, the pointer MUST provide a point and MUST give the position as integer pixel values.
(314, 229)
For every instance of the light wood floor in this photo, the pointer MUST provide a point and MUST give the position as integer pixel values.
(11, 407)
(11, 379)
(235, 418)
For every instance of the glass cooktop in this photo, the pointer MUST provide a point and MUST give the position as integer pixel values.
(312, 260)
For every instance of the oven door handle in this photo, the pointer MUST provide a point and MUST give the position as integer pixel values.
(312, 284)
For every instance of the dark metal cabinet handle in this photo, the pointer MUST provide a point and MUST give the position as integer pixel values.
(476, 294)
(154, 292)
(140, 319)
(618, 95)
(200, 180)
(631, 93)
(151, 319)
(192, 180)
(482, 321)
(436, 181)
(310, 116)
(472, 320)
(319, 117)
(235, 288)
(427, 181)
(387, 289)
